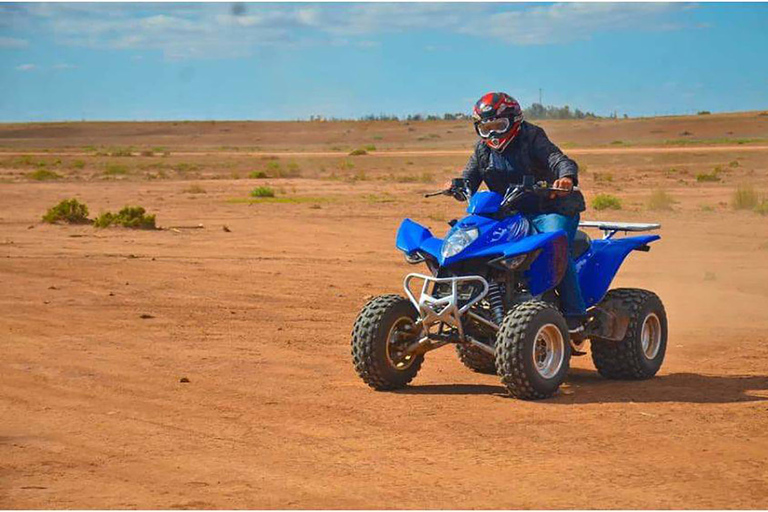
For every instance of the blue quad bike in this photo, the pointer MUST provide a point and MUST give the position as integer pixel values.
(491, 293)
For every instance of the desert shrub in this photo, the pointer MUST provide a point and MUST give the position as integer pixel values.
(358, 176)
(195, 189)
(744, 198)
(703, 112)
(705, 177)
(258, 175)
(147, 152)
(43, 175)
(733, 163)
(617, 142)
(183, 167)
(583, 168)
(660, 200)
(77, 164)
(115, 169)
(292, 170)
(370, 147)
(762, 207)
(346, 165)
(358, 152)
(603, 177)
(274, 168)
(134, 217)
(70, 211)
(606, 202)
(121, 152)
(262, 192)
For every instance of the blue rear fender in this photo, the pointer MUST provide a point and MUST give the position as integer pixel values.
(598, 266)
(412, 236)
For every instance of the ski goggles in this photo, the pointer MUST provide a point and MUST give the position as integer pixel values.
(492, 127)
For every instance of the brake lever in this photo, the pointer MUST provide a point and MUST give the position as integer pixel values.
(441, 193)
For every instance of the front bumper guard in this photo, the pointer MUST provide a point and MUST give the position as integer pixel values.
(447, 310)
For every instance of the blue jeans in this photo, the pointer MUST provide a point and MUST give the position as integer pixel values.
(569, 290)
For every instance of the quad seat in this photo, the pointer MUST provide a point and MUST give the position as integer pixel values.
(581, 243)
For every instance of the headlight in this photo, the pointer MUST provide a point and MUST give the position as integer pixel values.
(458, 241)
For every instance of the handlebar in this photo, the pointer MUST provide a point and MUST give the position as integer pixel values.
(460, 189)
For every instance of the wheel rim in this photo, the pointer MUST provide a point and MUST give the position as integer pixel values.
(398, 339)
(650, 336)
(548, 351)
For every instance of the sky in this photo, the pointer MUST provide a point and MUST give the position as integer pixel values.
(233, 61)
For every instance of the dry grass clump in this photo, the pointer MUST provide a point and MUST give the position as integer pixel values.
(713, 176)
(43, 175)
(195, 189)
(660, 200)
(744, 198)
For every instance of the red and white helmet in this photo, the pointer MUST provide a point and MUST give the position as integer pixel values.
(497, 117)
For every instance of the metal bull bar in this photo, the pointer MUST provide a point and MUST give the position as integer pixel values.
(433, 310)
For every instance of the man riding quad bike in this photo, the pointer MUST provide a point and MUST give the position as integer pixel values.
(514, 285)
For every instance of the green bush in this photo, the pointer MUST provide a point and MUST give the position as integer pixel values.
(762, 208)
(43, 175)
(606, 202)
(370, 147)
(77, 164)
(358, 152)
(745, 198)
(703, 113)
(129, 217)
(258, 175)
(262, 192)
(660, 200)
(70, 211)
(115, 169)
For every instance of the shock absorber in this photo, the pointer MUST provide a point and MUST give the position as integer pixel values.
(496, 302)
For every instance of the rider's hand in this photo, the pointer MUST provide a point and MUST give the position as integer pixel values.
(456, 194)
(564, 183)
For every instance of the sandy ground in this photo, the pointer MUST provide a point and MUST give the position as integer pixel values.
(93, 413)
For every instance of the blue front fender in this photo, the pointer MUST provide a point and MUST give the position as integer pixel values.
(412, 236)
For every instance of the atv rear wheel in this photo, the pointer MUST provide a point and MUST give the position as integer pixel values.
(640, 354)
(532, 350)
(476, 359)
(382, 331)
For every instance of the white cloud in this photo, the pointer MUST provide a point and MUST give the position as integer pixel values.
(26, 67)
(13, 43)
(221, 30)
(566, 22)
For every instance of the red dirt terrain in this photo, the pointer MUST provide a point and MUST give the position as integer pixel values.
(100, 327)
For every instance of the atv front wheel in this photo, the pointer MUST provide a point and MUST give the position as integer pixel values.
(382, 331)
(532, 350)
(640, 354)
(476, 359)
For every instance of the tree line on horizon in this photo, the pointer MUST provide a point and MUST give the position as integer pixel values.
(536, 111)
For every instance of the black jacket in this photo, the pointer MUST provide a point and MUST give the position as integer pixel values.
(532, 153)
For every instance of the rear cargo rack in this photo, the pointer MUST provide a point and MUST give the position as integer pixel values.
(611, 228)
